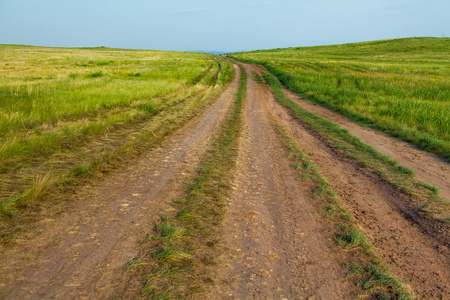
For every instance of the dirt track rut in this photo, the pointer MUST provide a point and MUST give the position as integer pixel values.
(277, 249)
(82, 254)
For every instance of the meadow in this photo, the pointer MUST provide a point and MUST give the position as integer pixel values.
(70, 113)
(399, 86)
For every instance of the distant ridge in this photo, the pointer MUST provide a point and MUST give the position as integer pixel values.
(210, 52)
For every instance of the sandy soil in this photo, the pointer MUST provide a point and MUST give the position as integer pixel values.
(82, 254)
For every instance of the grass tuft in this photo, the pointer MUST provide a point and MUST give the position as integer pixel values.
(84, 170)
(41, 185)
(8, 208)
(149, 107)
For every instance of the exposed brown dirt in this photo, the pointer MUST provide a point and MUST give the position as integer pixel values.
(415, 248)
(428, 167)
(277, 248)
(82, 254)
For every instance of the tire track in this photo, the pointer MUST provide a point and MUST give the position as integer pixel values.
(415, 255)
(277, 248)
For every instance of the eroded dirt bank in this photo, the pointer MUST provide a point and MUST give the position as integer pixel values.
(82, 254)
(276, 245)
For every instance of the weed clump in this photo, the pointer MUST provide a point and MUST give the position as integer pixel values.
(95, 74)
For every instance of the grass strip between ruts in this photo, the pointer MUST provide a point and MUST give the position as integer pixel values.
(389, 170)
(366, 270)
(178, 258)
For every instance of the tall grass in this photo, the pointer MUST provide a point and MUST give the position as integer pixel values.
(45, 84)
(48, 93)
(399, 86)
(73, 112)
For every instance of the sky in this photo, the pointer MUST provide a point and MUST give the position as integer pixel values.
(231, 25)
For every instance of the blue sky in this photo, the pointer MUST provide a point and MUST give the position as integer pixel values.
(230, 25)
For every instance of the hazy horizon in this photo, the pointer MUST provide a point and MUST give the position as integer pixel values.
(231, 26)
(210, 51)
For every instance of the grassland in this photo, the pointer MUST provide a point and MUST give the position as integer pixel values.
(70, 114)
(399, 86)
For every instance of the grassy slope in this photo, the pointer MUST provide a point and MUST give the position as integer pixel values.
(400, 86)
(67, 114)
(47, 85)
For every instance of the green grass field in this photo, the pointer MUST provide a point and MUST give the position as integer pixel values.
(68, 112)
(400, 86)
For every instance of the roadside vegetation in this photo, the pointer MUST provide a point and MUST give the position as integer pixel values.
(69, 115)
(179, 257)
(399, 86)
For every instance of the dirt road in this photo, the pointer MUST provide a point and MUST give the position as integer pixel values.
(82, 254)
(277, 249)
(405, 241)
(277, 243)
